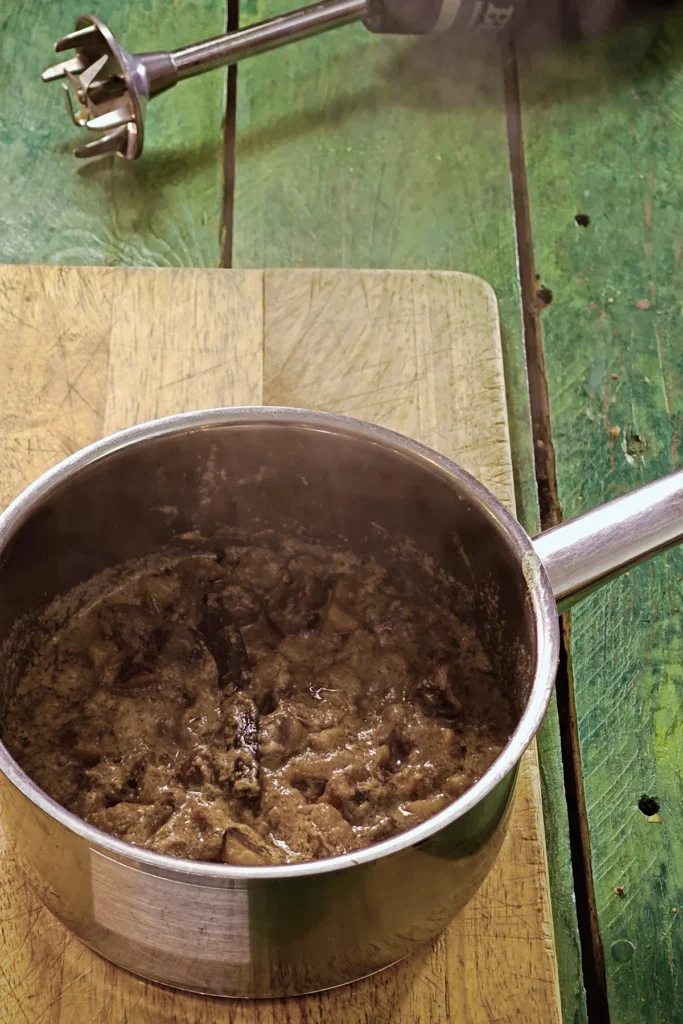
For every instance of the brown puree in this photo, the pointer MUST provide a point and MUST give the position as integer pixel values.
(265, 702)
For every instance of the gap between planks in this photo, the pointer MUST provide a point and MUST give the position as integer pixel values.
(232, 21)
(534, 299)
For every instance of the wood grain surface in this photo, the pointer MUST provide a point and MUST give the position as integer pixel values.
(393, 349)
(603, 132)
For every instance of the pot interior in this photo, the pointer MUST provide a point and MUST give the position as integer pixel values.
(339, 483)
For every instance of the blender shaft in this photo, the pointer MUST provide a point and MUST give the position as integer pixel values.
(268, 35)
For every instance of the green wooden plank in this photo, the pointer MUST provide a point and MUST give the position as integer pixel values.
(362, 151)
(603, 130)
(163, 210)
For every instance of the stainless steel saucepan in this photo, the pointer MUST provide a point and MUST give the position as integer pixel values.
(237, 931)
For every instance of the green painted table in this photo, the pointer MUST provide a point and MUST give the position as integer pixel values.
(604, 148)
(358, 151)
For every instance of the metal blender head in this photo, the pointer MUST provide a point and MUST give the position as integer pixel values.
(107, 87)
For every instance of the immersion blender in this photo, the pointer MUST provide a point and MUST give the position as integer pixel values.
(111, 86)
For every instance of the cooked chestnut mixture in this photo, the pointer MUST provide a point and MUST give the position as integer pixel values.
(264, 702)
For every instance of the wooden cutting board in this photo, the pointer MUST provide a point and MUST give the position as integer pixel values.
(84, 352)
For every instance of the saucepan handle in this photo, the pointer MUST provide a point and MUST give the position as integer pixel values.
(581, 555)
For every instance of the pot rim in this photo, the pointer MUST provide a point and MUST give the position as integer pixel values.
(539, 589)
